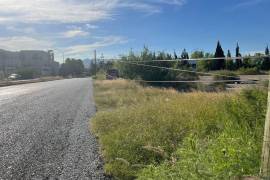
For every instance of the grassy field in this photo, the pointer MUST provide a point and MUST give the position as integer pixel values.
(150, 133)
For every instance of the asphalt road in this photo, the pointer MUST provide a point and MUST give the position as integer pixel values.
(44, 131)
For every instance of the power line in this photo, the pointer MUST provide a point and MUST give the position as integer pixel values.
(209, 81)
(183, 70)
(202, 59)
(196, 81)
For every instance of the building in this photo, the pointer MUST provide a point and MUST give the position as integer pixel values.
(40, 61)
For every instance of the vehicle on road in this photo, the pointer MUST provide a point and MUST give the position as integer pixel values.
(112, 74)
(14, 77)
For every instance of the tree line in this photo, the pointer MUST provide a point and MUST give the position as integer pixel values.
(260, 63)
(72, 67)
(242, 63)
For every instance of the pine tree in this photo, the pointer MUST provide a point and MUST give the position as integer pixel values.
(229, 55)
(239, 62)
(267, 51)
(175, 55)
(184, 55)
(219, 63)
(154, 56)
(229, 62)
(266, 60)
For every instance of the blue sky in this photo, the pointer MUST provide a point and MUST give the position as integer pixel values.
(113, 27)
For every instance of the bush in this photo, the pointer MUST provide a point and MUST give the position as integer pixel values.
(226, 75)
(27, 73)
(248, 71)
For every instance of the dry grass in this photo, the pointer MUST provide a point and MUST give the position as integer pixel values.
(142, 126)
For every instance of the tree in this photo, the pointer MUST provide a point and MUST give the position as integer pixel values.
(175, 55)
(229, 55)
(197, 55)
(239, 62)
(202, 65)
(219, 63)
(146, 55)
(184, 57)
(93, 68)
(72, 67)
(27, 73)
(229, 62)
(266, 60)
(184, 54)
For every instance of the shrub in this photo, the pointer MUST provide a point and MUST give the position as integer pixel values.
(248, 71)
(226, 75)
(27, 73)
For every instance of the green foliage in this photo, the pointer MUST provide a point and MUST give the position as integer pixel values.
(266, 61)
(205, 65)
(234, 151)
(248, 71)
(218, 63)
(239, 62)
(72, 67)
(148, 133)
(226, 75)
(129, 69)
(101, 67)
(197, 54)
(184, 55)
(27, 73)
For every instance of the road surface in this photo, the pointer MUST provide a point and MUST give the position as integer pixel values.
(44, 131)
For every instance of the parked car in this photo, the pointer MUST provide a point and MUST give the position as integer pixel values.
(112, 74)
(14, 77)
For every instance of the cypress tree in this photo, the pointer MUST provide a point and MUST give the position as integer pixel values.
(229, 55)
(239, 62)
(175, 55)
(184, 55)
(219, 63)
(266, 60)
(229, 62)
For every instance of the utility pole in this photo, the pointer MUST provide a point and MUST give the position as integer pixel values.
(63, 57)
(265, 164)
(95, 59)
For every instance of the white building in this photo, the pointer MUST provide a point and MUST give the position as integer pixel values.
(41, 61)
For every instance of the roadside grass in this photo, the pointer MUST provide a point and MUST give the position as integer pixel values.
(150, 133)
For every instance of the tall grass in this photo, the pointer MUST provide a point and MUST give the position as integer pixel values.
(149, 133)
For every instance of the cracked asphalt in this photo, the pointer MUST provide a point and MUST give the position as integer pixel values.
(44, 131)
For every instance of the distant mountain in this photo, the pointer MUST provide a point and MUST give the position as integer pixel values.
(87, 63)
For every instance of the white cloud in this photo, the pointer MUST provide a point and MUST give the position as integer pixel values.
(103, 42)
(246, 3)
(16, 43)
(72, 11)
(23, 19)
(60, 11)
(173, 2)
(24, 30)
(74, 33)
(91, 26)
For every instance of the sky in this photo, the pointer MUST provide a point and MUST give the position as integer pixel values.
(76, 28)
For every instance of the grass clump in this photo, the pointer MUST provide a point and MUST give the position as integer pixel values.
(226, 75)
(248, 71)
(150, 133)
